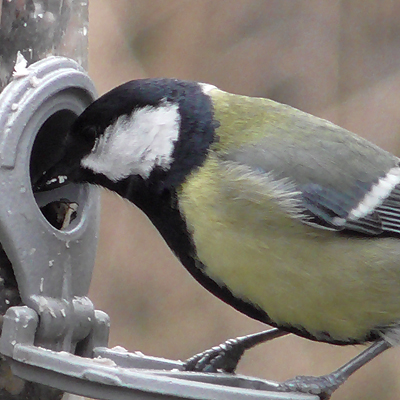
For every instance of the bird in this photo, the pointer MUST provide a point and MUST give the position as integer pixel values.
(290, 219)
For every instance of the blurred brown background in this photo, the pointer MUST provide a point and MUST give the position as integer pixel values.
(335, 59)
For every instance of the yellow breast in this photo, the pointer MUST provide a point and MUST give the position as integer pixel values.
(298, 274)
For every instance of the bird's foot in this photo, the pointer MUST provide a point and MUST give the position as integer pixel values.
(224, 357)
(322, 386)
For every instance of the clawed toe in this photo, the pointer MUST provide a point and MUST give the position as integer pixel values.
(322, 386)
(224, 357)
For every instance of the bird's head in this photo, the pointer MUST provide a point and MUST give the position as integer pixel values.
(144, 128)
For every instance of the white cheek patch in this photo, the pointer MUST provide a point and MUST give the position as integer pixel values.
(136, 143)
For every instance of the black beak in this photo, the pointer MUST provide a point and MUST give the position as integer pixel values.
(65, 171)
(45, 184)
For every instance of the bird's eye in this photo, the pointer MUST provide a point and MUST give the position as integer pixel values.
(89, 134)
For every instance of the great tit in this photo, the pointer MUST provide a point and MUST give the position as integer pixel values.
(288, 218)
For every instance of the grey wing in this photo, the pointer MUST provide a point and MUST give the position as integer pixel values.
(328, 208)
(336, 188)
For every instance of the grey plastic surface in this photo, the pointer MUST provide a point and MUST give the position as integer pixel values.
(53, 268)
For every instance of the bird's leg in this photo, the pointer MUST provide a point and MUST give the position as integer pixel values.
(226, 356)
(325, 385)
